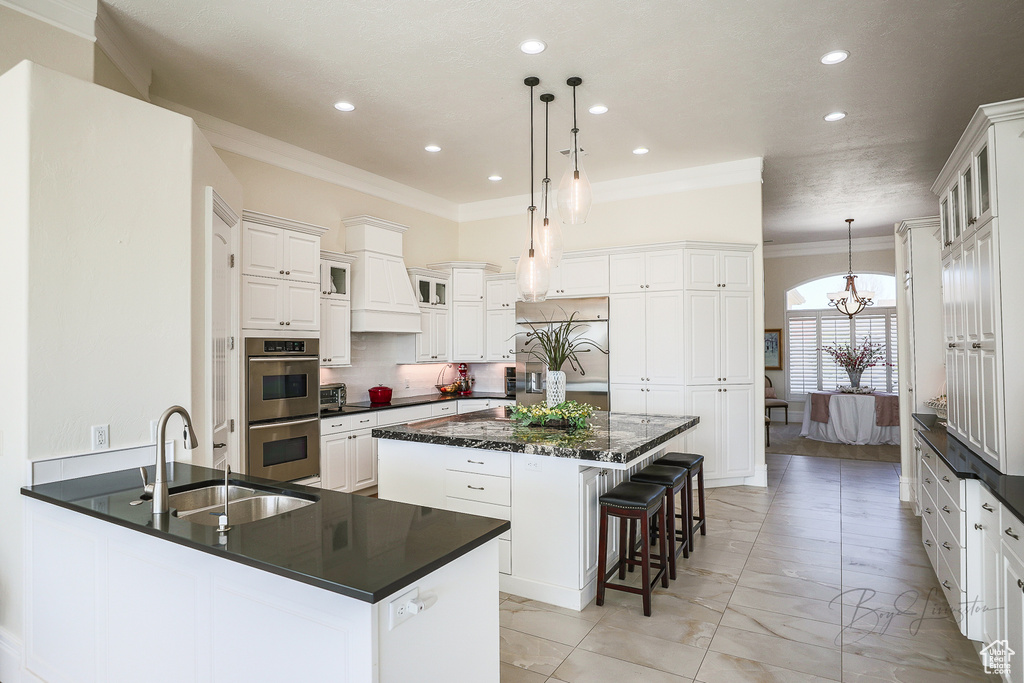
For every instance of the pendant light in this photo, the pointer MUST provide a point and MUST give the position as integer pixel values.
(574, 198)
(850, 302)
(532, 271)
(550, 233)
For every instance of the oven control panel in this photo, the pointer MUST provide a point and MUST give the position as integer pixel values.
(284, 346)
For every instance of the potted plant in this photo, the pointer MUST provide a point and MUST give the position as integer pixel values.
(554, 346)
(856, 358)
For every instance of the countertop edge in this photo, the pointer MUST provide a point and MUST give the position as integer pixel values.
(425, 399)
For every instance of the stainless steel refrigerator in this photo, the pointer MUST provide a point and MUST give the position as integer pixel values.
(591, 386)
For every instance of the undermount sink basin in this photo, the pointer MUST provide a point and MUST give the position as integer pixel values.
(241, 511)
(197, 499)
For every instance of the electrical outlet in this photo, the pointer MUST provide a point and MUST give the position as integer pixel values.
(406, 382)
(399, 608)
(100, 437)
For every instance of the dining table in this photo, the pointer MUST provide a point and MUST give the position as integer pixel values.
(860, 419)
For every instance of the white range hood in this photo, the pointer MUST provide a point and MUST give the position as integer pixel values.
(382, 296)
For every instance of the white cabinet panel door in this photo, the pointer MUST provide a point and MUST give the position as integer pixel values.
(496, 295)
(972, 423)
(701, 269)
(947, 300)
(628, 398)
(969, 290)
(592, 487)
(497, 345)
(991, 406)
(664, 270)
(467, 284)
(626, 273)
(441, 348)
(704, 438)
(1013, 610)
(362, 456)
(666, 400)
(336, 332)
(987, 285)
(664, 335)
(736, 338)
(737, 271)
(627, 346)
(737, 434)
(991, 572)
(301, 306)
(425, 337)
(702, 348)
(468, 331)
(301, 257)
(261, 250)
(334, 462)
(582, 276)
(261, 303)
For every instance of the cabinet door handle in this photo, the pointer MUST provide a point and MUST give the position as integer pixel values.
(946, 585)
(1020, 584)
(987, 508)
(928, 510)
(363, 421)
(281, 272)
(976, 345)
(1009, 532)
(978, 526)
(946, 545)
(288, 323)
(281, 322)
(945, 478)
(928, 543)
(475, 488)
(951, 345)
(945, 508)
(927, 480)
(287, 272)
(476, 462)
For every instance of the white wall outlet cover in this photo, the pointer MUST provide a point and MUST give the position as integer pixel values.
(399, 608)
(100, 437)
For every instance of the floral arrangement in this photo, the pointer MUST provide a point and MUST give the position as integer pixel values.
(857, 357)
(559, 344)
(567, 413)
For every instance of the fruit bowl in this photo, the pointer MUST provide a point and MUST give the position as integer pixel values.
(447, 389)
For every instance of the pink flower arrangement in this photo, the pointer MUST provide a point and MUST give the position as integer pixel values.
(857, 357)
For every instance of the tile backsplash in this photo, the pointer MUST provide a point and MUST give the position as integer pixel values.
(382, 358)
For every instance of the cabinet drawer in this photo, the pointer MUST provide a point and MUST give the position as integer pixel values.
(956, 597)
(929, 483)
(347, 423)
(397, 416)
(472, 507)
(987, 508)
(446, 408)
(504, 556)
(1011, 526)
(948, 481)
(928, 535)
(482, 488)
(952, 516)
(950, 550)
(480, 462)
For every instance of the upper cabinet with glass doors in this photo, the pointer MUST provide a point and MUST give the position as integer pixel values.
(430, 286)
(336, 275)
(967, 198)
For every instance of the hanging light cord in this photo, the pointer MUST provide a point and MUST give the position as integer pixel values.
(575, 137)
(533, 207)
(547, 175)
(849, 241)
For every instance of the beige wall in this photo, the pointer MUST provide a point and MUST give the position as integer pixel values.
(106, 73)
(22, 37)
(276, 191)
(785, 273)
(718, 214)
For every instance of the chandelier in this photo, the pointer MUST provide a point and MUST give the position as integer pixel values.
(849, 301)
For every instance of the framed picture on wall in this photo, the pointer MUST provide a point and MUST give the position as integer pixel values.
(773, 349)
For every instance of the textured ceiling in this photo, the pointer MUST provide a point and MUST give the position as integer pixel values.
(696, 81)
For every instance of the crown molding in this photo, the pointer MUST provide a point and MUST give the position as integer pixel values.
(928, 223)
(284, 223)
(861, 244)
(984, 116)
(337, 256)
(656, 246)
(482, 265)
(248, 143)
(122, 52)
(73, 16)
(695, 178)
(372, 221)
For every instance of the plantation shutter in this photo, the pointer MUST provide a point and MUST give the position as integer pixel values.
(893, 354)
(802, 354)
(872, 326)
(835, 329)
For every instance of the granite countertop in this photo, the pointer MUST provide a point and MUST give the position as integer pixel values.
(966, 465)
(611, 437)
(366, 406)
(357, 546)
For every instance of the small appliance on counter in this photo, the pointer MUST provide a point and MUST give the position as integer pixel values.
(465, 387)
(380, 394)
(332, 396)
(510, 381)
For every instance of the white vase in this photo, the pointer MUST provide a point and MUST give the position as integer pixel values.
(555, 387)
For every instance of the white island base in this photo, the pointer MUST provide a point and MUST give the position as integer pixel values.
(105, 603)
(550, 554)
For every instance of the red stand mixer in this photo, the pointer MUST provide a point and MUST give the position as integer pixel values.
(465, 388)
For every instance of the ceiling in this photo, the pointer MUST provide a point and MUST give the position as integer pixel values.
(696, 81)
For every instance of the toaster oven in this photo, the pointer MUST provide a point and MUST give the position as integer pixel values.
(332, 396)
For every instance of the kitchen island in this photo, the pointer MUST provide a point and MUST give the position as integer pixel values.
(546, 481)
(339, 587)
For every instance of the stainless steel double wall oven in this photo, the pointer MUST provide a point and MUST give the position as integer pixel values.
(283, 401)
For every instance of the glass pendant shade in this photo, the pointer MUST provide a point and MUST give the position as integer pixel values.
(533, 273)
(549, 233)
(574, 197)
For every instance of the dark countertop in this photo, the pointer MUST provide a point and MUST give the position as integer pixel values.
(611, 437)
(360, 547)
(966, 465)
(366, 406)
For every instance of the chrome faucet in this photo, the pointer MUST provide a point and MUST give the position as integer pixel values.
(159, 487)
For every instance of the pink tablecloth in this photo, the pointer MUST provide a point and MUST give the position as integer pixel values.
(861, 419)
(887, 407)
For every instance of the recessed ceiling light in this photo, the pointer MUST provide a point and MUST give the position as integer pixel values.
(344, 106)
(641, 150)
(532, 46)
(432, 148)
(598, 109)
(835, 116)
(834, 57)
(494, 178)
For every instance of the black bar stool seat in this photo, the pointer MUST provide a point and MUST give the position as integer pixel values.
(638, 503)
(673, 479)
(694, 463)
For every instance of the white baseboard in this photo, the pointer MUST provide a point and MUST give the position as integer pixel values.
(10, 657)
(546, 592)
(759, 478)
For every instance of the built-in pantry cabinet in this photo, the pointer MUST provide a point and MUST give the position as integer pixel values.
(715, 269)
(655, 271)
(431, 288)
(501, 317)
(468, 308)
(335, 309)
(582, 275)
(981, 208)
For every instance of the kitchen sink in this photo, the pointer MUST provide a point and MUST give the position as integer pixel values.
(207, 496)
(246, 510)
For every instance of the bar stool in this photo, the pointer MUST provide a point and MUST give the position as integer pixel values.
(673, 480)
(694, 463)
(630, 501)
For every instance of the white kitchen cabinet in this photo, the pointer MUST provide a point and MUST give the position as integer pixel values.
(501, 331)
(656, 271)
(648, 399)
(272, 251)
(269, 304)
(718, 339)
(468, 344)
(473, 405)
(579, 276)
(713, 269)
(990, 564)
(1013, 610)
(348, 452)
(645, 338)
(334, 470)
(725, 435)
(362, 455)
(594, 483)
(335, 332)
(336, 275)
(468, 284)
(501, 292)
(432, 341)
(430, 286)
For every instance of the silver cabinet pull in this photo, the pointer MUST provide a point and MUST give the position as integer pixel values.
(1009, 532)
(928, 510)
(988, 508)
(947, 586)
(927, 480)
(978, 526)
(945, 508)
(475, 488)
(219, 445)
(946, 545)
(1020, 584)
(476, 462)
(928, 543)
(976, 345)
(945, 478)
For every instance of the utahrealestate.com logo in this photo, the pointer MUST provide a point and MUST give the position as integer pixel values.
(997, 656)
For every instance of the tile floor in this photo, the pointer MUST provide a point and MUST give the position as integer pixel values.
(796, 582)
